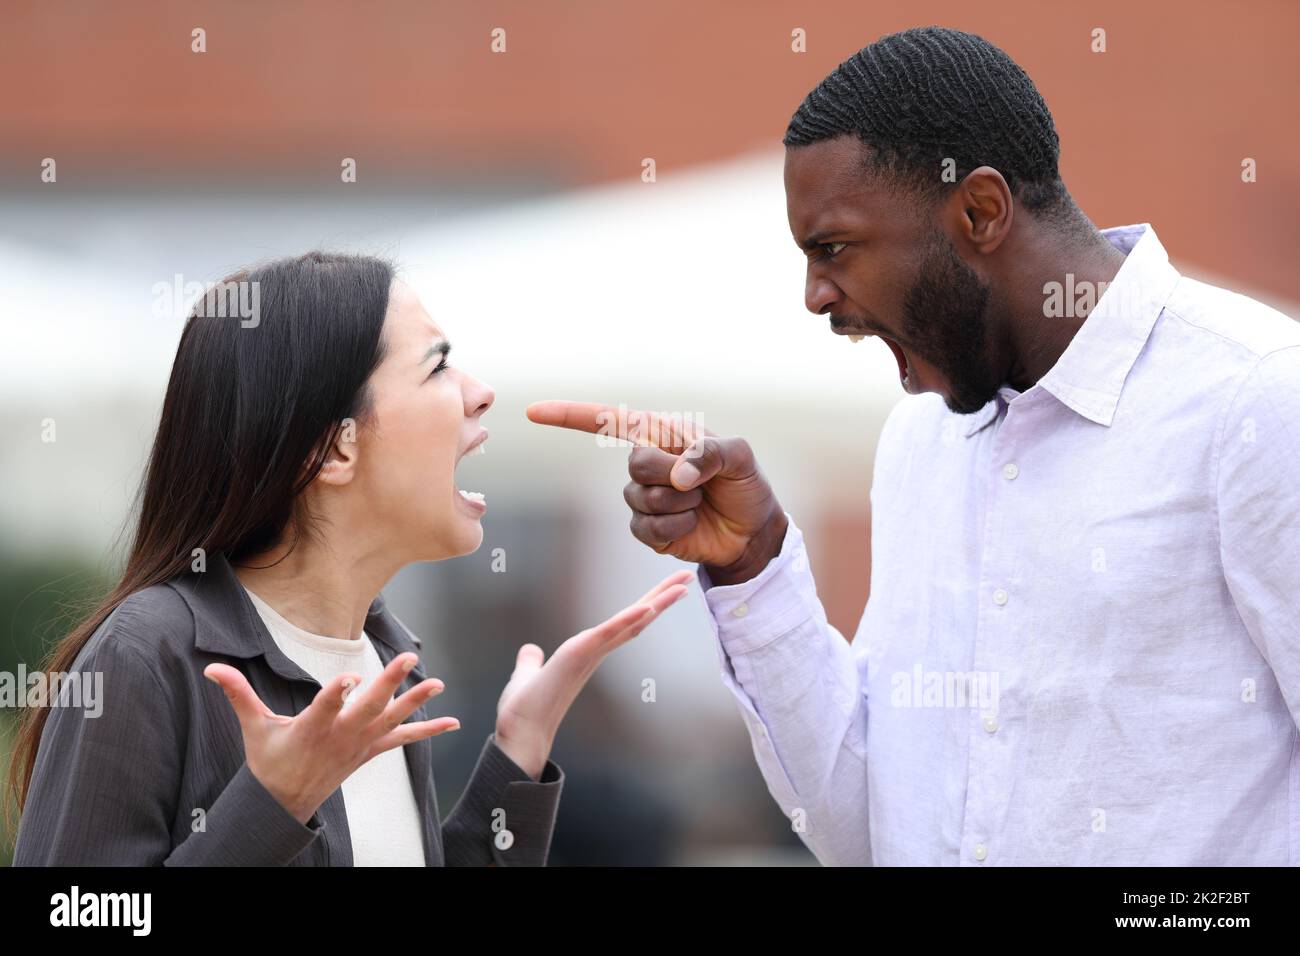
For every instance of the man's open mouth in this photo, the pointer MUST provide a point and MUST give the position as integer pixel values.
(899, 355)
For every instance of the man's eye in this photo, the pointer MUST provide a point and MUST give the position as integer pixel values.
(831, 248)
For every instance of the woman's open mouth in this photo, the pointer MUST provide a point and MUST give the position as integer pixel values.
(471, 502)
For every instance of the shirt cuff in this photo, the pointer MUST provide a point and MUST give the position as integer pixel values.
(756, 612)
(505, 816)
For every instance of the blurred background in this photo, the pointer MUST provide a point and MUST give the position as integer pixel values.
(512, 188)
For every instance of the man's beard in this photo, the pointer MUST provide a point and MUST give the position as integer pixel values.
(944, 317)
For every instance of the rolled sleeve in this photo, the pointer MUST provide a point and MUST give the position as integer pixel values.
(504, 817)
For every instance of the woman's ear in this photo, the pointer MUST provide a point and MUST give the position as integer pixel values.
(340, 465)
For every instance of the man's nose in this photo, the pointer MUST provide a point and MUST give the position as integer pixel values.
(820, 295)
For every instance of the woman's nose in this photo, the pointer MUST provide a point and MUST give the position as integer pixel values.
(478, 397)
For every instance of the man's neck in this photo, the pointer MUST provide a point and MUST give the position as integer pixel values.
(1038, 340)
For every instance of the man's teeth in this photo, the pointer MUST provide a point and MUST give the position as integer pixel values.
(472, 495)
(856, 338)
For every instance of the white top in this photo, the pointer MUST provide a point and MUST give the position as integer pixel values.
(1081, 645)
(383, 818)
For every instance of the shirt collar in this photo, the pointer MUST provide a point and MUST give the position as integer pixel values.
(226, 621)
(1090, 374)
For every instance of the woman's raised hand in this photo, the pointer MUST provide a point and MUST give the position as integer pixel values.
(302, 759)
(538, 695)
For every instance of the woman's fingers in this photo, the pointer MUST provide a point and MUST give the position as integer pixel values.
(654, 601)
(327, 712)
(327, 703)
(375, 699)
(677, 577)
(620, 622)
(658, 605)
(634, 618)
(670, 597)
(409, 733)
(404, 706)
(247, 705)
(658, 599)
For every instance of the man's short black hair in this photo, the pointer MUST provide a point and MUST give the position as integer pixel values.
(930, 94)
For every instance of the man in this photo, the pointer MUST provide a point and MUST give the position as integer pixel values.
(1082, 641)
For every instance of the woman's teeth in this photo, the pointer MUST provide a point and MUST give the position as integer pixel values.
(856, 338)
(474, 496)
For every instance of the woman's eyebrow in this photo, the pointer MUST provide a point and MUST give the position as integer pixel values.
(442, 345)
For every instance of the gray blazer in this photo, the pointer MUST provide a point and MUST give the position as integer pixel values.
(159, 778)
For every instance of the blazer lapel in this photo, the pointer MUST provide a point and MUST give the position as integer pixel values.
(392, 637)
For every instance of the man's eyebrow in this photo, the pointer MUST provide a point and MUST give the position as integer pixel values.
(442, 345)
(815, 239)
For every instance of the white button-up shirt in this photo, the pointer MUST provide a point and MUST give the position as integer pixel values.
(1082, 642)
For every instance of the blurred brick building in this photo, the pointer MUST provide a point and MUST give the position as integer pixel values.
(1154, 129)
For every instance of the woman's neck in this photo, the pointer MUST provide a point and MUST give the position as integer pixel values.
(326, 591)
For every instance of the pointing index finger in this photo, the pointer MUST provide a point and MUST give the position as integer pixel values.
(580, 416)
(672, 433)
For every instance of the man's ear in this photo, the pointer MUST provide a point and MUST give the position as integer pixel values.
(340, 465)
(986, 208)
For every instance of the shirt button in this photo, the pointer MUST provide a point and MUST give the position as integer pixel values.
(740, 610)
(981, 851)
(1009, 471)
(991, 723)
(1000, 597)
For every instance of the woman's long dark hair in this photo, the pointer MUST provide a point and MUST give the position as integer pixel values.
(255, 400)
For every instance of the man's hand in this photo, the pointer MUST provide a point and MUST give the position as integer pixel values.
(693, 494)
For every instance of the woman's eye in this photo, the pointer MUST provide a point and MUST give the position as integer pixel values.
(442, 366)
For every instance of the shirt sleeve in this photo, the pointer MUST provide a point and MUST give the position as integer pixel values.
(1259, 513)
(504, 817)
(797, 683)
(105, 785)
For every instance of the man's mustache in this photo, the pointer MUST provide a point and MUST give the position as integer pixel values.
(845, 322)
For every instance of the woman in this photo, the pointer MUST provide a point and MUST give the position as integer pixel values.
(258, 697)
